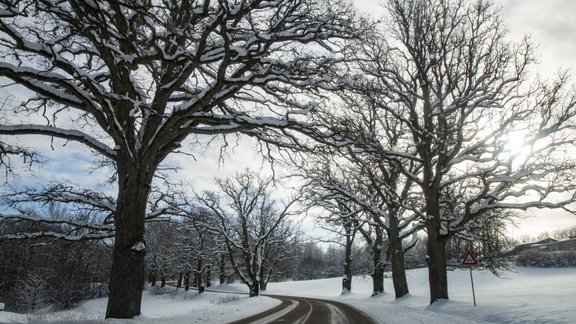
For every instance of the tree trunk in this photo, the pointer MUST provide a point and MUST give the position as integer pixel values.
(127, 276)
(347, 279)
(255, 288)
(152, 278)
(187, 281)
(208, 276)
(198, 274)
(179, 283)
(436, 244)
(378, 279)
(222, 269)
(197, 279)
(163, 281)
(399, 274)
(436, 260)
(396, 255)
(264, 278)
(378, 272)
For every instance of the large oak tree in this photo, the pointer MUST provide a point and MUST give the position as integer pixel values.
(133, 79)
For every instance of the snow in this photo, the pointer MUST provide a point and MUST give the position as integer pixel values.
(526, 295)
(139, 247)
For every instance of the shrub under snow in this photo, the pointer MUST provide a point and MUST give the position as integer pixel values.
(547, 259)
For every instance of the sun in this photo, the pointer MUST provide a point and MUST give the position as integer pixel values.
(516, 145)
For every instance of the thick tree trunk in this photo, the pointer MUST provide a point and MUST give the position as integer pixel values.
(436, 245)
(128, 275)
(378, 272)
(198, 274)
(179, 283)
(378, 279)
(399, 274)
(197, 279)
(187, 281)
(163, 281)
(264, 278)
(346, 284)
(222, 266)
(255, 289)
(350, 235)
(347, 279)
(208, 276)
(437, 274)
(396, 255)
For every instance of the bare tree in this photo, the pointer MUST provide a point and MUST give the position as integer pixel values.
(162, 255)
(132, 80)
(460, 91)
(31, 294)
(358, 176)
(342, 221)
(197, 248)
(257, 231)
(375, 240)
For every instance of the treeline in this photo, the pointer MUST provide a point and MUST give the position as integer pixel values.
(557, 234)
(58, 256)
(38, 274)
(207, 240)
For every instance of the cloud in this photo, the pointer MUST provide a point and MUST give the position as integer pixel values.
(551, 24)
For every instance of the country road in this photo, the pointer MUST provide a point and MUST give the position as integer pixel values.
(308, 310)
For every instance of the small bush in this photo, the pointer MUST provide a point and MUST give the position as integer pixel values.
(225, 299)
(547, 259)
(157, 290)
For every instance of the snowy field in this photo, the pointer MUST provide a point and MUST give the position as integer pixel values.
(528, 295)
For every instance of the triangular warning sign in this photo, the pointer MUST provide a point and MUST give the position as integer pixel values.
(469, 259)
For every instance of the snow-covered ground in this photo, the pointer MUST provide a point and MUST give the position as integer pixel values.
(528, 295)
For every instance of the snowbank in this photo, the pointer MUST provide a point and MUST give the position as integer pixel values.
(528, 295)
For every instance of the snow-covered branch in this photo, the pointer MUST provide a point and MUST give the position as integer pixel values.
(67, 134)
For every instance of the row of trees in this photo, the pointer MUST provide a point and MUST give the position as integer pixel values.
(557, 234)
(36, 273)
(410, 121)
(240, 225)
(423, 136)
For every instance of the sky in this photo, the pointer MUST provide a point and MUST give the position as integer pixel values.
(552, 26)
(550, 23)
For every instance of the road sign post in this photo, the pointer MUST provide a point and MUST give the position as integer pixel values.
(469, 261)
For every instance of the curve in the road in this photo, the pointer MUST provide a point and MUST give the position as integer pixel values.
(300, 310)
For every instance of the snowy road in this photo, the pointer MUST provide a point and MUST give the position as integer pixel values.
(308, 310)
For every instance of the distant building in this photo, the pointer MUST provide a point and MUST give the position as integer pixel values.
(568, 244)
(532, 245)
(547, 245)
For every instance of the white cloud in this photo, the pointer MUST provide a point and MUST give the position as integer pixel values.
(551, 24)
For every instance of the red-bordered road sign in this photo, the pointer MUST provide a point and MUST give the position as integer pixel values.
(469, 259)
